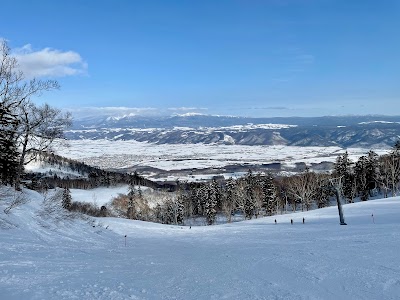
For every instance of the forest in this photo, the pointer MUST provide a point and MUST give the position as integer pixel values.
(252, 196)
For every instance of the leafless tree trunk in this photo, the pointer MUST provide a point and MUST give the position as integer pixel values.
(394, 170)
(38, 128)
(304, 187)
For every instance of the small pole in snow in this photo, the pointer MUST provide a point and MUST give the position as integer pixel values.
(373, 219)
(275, 221)
(125, 240)
(304, 220)
(291, 221)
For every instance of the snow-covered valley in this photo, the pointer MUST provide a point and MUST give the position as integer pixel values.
(50, 254)
(201, 161)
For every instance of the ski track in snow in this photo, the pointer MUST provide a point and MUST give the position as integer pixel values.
(43, 256)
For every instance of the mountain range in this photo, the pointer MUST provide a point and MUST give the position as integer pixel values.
(343, 131)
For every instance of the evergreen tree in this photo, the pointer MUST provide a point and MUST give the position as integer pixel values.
(217, 193)
(8, 145)
(343, 168)
(229, 199)
(174, 212)
(269, 195)
(131, 198)
(394, 168)
(249, 205)
(201, 196)
(130, 213)
(367, 174)
(169, 215)
(372, 171)
(396, 146)
(324, 190)
(131, 191)
(192, 195)
(210, 207)
(179, 209)
(66, 199)
(360, 172)
(159, 214)
(139, 193)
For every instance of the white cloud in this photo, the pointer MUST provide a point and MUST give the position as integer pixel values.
(49, 62)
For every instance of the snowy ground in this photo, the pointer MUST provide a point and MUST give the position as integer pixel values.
(98, 196)
(42, 167)
(126, 154)
(43, 256)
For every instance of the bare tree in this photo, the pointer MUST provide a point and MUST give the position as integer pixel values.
(18, 199)
(303, 187)
(390, 168)
(38, 127)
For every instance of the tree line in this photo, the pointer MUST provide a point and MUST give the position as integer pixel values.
(251, 196)
(90, 177)
(370, 174)
(256, 195)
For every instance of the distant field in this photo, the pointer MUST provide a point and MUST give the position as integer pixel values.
(172, 159)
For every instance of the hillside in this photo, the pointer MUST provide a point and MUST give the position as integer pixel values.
(46, 253)
(341, 131)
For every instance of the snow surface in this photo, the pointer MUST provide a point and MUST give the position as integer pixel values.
(102, 195)
(47, 255)
(382, 122)
(125, 154)
(99, 196)
(42, 167)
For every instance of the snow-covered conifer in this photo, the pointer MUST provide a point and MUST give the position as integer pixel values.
(8, 145)
(269, 195)
(249, 205)
(229, 199)
(66, 199)
(211, 203)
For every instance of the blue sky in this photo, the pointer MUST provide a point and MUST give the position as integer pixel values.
(253, 58)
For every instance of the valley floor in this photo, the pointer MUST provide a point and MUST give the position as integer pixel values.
(46, 256)
(195, 162)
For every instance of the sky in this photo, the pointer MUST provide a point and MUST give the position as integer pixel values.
(249, 58)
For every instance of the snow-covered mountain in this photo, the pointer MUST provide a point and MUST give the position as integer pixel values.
(47, 253)
(344, 131)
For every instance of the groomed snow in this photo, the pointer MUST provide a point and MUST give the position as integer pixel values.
(43, 256)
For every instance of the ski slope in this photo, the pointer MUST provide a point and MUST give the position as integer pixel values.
(46, 253)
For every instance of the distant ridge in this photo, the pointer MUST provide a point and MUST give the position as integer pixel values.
(192, 128)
